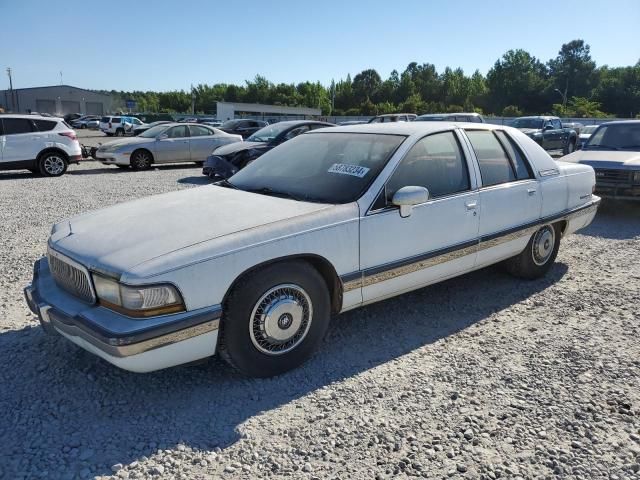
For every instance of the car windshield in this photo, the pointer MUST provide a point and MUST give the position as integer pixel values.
(621, 136)
(153, 131)
(230, 123)
(589, 129)
(527, 123)
(319, 167)
(268, 133)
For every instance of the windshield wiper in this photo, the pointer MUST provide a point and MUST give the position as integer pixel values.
(602, 147)
(274, 193)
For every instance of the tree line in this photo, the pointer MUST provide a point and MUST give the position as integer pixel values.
(569, 85)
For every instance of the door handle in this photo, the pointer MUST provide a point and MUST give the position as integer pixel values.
(531, 191)
(471, 205)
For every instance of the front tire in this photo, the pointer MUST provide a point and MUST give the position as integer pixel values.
(274, 319)
(141, 160)
(538, 257)
(52, 164)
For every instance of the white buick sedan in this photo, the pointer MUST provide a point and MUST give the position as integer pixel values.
(254, 267)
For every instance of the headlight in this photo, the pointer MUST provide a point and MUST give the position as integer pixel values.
(138, 301)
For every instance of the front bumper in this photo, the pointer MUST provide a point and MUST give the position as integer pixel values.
(113, 158)
(618, 191)
(218, 166)
(139, 345)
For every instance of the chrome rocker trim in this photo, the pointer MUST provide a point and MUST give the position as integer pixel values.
(373, 275)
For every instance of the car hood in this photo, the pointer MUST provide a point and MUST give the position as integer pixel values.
(529, 131)
(605, 159)
(237, 147)
(120, 238)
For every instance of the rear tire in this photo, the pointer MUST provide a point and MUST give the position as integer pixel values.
(538, 256)
(52, 164)
(274, 319)
(141, 160)
(570, 147)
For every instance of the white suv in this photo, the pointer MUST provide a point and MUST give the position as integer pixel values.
(119, 125)
(45, 145)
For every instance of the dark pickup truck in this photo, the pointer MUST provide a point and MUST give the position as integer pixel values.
(548, 132)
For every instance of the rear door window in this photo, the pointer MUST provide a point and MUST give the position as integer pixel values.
(115, 119)
(198, 131)
(45, 125)
(13, 126)
(495, 167)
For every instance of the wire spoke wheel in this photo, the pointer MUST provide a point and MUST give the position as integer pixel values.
(280, 319)
(543, 245)
(53, 165)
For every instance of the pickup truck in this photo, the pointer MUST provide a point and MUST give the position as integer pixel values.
(548, 132)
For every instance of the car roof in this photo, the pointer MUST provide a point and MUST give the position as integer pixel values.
(29, 116)
(543, 117)
(409, 128)
(621, 122)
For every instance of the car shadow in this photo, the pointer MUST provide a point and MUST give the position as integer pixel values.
(200, 180)
(55, 395)
(615, 220)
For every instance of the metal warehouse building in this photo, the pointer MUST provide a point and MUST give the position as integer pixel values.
(57, 99)
(228, 111)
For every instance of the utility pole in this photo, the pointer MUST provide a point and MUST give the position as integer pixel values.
(193, 101)
(13, 100)
(60, 77)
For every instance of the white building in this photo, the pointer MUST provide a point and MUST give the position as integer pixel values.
(229, 110)
(56, 99)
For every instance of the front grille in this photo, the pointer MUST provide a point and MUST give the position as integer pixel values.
(71, 277)
(613, 176)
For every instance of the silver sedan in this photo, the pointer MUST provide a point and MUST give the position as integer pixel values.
(167, 143)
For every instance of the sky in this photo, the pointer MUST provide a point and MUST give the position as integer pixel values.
(167, 45)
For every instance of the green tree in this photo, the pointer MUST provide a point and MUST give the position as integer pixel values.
(519, 79)
(573, 71)
(366, 85)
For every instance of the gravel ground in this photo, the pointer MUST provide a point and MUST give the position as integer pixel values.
(482, 376)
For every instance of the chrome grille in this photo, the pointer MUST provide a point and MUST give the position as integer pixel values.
(71, 276)
(613, 176)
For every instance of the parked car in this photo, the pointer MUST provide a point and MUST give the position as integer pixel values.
(167, 143)
(45, 145)
(146, 126)
(450, 117)
(243, 127)
(613, 150)
(70, 117)
(93, 124)
(394, 117)
(254, 267)
(352, 122)
(119, 125)
(585, 134)
(548, 133)
(83, 121)
(229, 159)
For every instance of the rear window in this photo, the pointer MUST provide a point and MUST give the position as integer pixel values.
(104, 119)
(45, 125)
(13, 126)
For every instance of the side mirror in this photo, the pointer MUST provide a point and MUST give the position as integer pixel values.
(407, 197)
(548, 127)
(162, 136)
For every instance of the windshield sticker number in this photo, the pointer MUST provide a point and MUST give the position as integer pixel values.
(346, 169)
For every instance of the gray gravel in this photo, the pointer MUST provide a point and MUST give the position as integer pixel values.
(483, 376)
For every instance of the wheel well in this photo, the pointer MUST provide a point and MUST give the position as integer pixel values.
(321, 264)
(53, 150)
(561, 226)
(144, 150)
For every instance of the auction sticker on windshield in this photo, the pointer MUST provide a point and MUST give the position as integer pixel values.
(346, 169)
